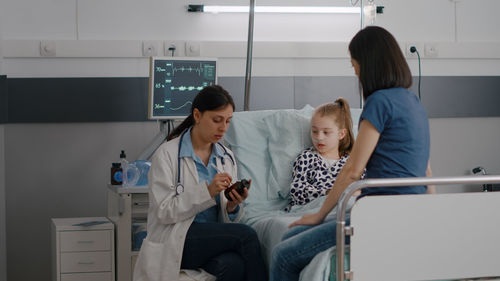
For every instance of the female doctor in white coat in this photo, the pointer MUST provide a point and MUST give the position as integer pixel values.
(191, 224)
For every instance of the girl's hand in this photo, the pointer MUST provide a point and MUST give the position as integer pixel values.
(237, 199)
(308, 219)
(219, 183)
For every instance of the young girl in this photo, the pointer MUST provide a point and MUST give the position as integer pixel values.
(315, 169)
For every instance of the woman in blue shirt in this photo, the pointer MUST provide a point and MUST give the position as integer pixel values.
(393, 141)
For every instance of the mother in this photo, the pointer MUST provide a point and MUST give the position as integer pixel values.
(393, 142)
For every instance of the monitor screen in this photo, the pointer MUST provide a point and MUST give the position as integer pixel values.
(174, 82)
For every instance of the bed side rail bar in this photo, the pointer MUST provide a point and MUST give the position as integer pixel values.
(395, 182)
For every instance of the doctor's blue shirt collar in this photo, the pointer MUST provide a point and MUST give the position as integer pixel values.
(187, 147)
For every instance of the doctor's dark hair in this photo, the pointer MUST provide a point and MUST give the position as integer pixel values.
(382, 64)
(341, 114)
(209, 98)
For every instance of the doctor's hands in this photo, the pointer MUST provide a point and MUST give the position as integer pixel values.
(236, 199)
(220, 182)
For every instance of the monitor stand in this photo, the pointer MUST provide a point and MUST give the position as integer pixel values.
(157, 140)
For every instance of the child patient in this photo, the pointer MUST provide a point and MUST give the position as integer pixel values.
(315, 169)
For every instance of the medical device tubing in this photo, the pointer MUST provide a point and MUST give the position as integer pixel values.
(396, 182)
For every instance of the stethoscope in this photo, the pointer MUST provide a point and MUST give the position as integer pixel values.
(179, 188)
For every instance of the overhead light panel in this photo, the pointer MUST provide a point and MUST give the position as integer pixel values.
(275, 9)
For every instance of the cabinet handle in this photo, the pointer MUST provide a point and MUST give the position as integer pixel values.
(141, 203)
(86, 262)
(85, 241)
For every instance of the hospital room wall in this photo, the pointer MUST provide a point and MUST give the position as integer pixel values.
(3, 232)
(3, 252)
(61, 169)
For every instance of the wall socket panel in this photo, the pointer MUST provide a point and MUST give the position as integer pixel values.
(150, 48)
(431, 50)
(48, 48)
(193, 49)
(420, 49)
(179, 51)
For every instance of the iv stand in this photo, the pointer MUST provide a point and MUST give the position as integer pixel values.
(248, 75)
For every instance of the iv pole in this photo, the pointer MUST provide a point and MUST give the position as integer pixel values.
(248, 74)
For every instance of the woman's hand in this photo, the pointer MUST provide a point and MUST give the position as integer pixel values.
(237, 199)
(308, 219)
(219, 183)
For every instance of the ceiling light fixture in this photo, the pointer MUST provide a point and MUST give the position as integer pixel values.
(274, 9)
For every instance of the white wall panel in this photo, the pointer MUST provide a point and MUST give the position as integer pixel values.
(40, 19)
(478, 20)
(422, 20)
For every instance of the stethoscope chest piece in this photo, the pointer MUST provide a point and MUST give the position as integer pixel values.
(179, 188)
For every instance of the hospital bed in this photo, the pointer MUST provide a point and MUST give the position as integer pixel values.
(405, 237)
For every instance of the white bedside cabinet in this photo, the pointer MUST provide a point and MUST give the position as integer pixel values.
(83, 253)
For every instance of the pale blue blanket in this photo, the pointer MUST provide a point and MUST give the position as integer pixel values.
(265, 144)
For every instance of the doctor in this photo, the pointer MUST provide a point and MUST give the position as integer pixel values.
(191, 225)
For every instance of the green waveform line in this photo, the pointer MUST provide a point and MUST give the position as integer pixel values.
(186, 88)
(177, 108)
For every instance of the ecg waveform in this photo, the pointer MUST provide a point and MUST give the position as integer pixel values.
(160, 106)
(177, 82)
(187, 88)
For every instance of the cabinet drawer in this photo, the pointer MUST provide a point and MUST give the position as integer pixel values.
(85, 262)
(75, 241)
(94, 276)
(140, 204)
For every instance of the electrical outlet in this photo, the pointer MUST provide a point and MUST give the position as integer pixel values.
(419, 47)
(48, 48)
(431, 50)
(174, 48)
(149, 48)
(193, 49)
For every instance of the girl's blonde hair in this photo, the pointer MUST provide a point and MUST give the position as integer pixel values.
(341, 113)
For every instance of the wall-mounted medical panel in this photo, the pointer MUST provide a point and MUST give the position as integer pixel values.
(47, 100)
(460, 96)
(3, 99)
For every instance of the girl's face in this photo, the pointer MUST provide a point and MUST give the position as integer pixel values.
(326, 135)
(211, 125)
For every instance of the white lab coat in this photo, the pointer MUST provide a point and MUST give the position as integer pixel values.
(170, 215)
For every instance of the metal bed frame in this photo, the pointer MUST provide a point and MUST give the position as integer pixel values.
(343, 230)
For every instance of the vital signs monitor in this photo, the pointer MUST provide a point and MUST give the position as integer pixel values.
(174, 82)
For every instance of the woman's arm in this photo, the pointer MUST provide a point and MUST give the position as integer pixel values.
(361, 152)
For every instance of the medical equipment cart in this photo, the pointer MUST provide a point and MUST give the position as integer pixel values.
(126, 205)
(82, 249)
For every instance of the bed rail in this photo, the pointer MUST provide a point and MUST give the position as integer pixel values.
(355, 186)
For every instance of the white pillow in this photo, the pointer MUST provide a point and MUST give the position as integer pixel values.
(246, 137)
(288, 133)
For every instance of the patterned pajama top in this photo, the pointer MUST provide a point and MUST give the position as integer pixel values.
(313, 176)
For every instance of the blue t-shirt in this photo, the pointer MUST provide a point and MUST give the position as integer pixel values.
(404, 143)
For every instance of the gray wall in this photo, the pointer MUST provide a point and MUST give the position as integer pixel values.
(3, 253)
(59, 170)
